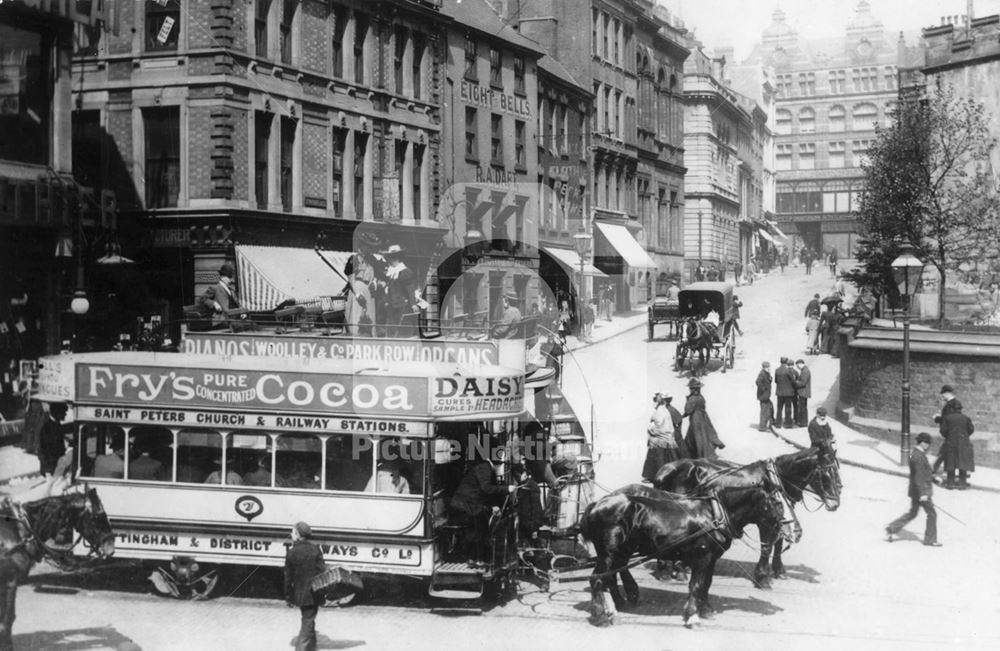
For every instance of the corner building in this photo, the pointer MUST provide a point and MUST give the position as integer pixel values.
(225, 129)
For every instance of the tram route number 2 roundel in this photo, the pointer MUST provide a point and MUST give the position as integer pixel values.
(249, 507)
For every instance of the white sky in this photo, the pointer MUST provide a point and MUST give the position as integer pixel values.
(740, 23)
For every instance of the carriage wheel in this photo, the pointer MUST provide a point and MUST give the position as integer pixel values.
(730, 352)
(650, 326)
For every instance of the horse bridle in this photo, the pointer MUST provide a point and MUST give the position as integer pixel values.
(57, 554)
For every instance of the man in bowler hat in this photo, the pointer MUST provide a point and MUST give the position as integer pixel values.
(303, 562)
(920, 492)
(764, 397)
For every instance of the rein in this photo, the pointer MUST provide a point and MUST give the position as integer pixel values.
(36, 546)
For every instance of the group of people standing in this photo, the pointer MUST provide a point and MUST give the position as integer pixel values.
(381, 291)
(665, 442)
(792, 386)
(822, 325)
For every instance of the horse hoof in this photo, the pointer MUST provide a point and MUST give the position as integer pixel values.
(780, 575)
(692, 621)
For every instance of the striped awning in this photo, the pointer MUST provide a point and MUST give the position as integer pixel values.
(270, 275)
(569, 260)
(628, 248)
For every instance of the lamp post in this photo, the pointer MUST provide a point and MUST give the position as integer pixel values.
(582, 242)
(906, 271)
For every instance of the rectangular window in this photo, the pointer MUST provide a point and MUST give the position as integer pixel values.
(471, 132)
(360, 36)
(496, 139)
(400, 150)
(606, 50)
(163, 25)
(471, 57)
(287, 18)
(87, 145)
(595, 22)
(337, 161)
(807, 156)
(261, 10)
(163, 157)
(262, 145)
(836, 154)
(519, 74)
(783, 157)
(418, 173)
(606, 126)
(561, 129)
(399, 41)
(496, 68)
(360, 150)
(519, 152)
(339, 27)
(416, 72)
(288, 126)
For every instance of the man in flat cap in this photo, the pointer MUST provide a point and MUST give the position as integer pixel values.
(821, 435)
(303, 562)
(920, 491)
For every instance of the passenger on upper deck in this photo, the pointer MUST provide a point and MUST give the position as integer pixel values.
(510, 320)
(401, 294)
(221, 297)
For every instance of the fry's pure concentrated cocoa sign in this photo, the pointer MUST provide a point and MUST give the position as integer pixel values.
(252, 390)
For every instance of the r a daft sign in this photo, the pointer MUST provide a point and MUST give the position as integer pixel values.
(470, 395)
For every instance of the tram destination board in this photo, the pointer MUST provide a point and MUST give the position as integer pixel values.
(243, 420)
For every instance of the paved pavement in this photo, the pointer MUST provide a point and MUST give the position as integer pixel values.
(853, 447)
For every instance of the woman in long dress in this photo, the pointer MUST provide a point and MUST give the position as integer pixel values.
(702, 439)
(662, 445)
(361, 270)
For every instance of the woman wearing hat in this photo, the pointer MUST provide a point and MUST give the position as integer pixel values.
(362, 268)
(401, 295)
(663, 430)
(702, 439)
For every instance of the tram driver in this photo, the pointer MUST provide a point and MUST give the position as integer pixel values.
(479, 495)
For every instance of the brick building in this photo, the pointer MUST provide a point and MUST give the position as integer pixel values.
(634, 210)
(831, 92)
(225, 129)
(491, 201)
(48, 222)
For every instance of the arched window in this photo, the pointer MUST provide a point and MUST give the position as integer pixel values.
(783, 122)
(807, 120)
(864, 117)
(838, 118)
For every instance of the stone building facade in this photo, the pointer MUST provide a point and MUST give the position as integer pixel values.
(830, 95)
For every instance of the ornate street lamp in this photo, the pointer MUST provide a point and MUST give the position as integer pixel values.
(582, 242)
(906, 271)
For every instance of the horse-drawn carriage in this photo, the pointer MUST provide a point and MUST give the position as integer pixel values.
(664, 309)
(707, 314)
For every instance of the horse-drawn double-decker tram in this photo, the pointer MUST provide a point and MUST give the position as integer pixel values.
(707, 315)
(207, 456)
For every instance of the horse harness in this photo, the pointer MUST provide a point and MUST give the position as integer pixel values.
(27, 536)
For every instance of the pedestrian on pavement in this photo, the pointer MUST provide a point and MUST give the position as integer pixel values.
(52, 438)
(920, 491)
(950, 401)
(832, 261)
(807, 260)
(713, 273)
(702, 439)
(783, 260)
(661, 446)
(803, 391)
(813, 306)
(699, 272)
(784, 390)
(956, 428)
(764, 381)
(588, 321)
(737, 304)
(303, 562)
(738, 272)
(812, 333)
(821, 436)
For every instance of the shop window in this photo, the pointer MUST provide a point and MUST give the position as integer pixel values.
(102, 451)
(199, 454)
(163, 25)
(298, 461)
(150, 454)
(349, 462)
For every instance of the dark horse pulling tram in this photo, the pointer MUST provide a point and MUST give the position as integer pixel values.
(695, 529)
(706, 313)
(29, 532)
(799, 472)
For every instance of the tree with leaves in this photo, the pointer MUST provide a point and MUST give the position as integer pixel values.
(928, 181)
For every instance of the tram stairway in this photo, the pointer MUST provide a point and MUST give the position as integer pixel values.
(457, 580)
